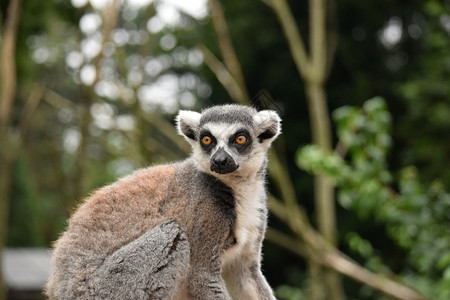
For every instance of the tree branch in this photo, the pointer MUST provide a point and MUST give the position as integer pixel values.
(339, 262)
(31, 105)
(167, 129)
(8, 148)
(285, 241)
(109, 16)
(89, 96)
(226, 47)
(328, 256)
(58, 101)
(8, 62)
(292, 33)
(317, 35)
(224, 76)
(281, 178)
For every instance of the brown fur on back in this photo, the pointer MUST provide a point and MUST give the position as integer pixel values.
(117, 214)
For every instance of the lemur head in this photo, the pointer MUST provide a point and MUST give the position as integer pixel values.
(229, 140)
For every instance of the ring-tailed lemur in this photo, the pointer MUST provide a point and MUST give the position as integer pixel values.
(188, 230)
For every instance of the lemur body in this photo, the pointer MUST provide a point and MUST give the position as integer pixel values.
(188, 230)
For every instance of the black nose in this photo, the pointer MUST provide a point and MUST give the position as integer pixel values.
(221, 159)
(222, 162)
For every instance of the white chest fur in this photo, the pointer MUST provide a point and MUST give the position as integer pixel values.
(250, 219)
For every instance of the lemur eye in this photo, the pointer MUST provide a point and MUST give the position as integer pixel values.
(241, 140)
(206, 140)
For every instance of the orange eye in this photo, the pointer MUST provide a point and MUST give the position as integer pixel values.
(241, 140)
(206, 140)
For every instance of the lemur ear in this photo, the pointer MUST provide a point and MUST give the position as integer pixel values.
(187, 124)
(267, 124)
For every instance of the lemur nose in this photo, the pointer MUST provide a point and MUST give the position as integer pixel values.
(221, 159)
(222, 162)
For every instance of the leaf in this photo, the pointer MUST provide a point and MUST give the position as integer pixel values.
(317, 161)
(444, 262)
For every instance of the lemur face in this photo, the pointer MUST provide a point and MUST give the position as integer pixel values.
(229, 140)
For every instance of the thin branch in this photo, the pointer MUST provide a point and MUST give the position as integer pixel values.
(167, 129)
(165, 151)
(109, 17)
(285, 241)
(328, 256)
(317, 35)
(224, 76)
(226, 47)
(277, 207)
(8, 83)
(339, 262)
(58, 101)
(88, 98)
(281, 178)
(8, 62)
(292, 34)
(31, 105)
(341, 149)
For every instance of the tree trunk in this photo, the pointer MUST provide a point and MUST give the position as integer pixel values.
(323, 188)
(8, 82)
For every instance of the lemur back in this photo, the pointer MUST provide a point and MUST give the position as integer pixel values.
(187, 230)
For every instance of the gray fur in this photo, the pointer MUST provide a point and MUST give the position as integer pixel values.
(230, 114)
(178, 231)
(150, 267)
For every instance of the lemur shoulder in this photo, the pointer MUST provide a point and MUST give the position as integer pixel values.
(187, 230)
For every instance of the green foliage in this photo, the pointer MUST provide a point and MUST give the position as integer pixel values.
(365, 134)
(286, 292)
(416, 217)
(25, 211)
(425, 94)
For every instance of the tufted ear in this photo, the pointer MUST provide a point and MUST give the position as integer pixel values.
(187, 124)
(267, 124)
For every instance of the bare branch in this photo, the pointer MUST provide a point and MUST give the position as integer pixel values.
(285, 241)
(224, 76)
(226, 47)
(167, 129)
(342, 264)
(281, 178)
(9, 147)
(341, 149)
(58, 101)
(292, 33)
(317, 35)
(109, 17)
(32, 103)
(277, 207)
(316, 248)
(8, 62)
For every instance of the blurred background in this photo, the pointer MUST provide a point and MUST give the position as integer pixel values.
(357, 181)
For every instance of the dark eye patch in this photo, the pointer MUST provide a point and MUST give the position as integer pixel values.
(211, 145)
(241, 147)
